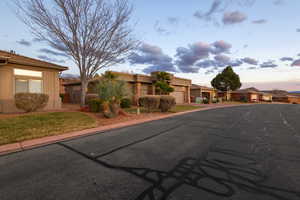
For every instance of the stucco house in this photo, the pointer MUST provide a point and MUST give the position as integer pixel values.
(198, 91)
(248, 94)
(138, 85)
(23, 74)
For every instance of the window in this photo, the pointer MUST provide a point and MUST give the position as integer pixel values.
(28, 85)
(23, 72)
(28, 81)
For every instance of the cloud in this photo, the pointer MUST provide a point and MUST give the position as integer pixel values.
(278, 2)
(250, 61)
(286, 59)
(235, 17)
(210, 71)
(208, 16)
(219, 61)
(298, 30)
(160, 30)
(173, 20)
(37, 40)
(268, 64)
(152, 55)
(51, 52)
(259, 21)
(296, 63)
(166, 67)
(246, 46)
(222, 59)
(24, 42)
(236, 63)
(221, 47)
(46, 58)
(188, 58)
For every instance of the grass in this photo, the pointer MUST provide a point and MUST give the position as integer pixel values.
(17, 129)
(182, 108)
(175, 109)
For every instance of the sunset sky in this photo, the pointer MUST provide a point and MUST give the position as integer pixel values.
(196, 39)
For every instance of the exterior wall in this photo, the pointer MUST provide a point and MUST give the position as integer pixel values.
(264, 97)
(196, 92)
(7, 87)
(294, 100)
(250, 97)
(283, 99)
(138, 85)
(203, 92)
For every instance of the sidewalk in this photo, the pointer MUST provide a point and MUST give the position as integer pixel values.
(29, 144)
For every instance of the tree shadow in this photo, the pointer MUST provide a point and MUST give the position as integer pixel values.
(221, 172)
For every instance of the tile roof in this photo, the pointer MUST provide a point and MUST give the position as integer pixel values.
(13, 58)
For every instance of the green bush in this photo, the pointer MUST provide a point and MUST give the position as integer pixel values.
(62, 97)
(244, 99)
(95, 105)
(205, 101)
(30, 102)
(150, 102)
(166, 103)
(126, 103)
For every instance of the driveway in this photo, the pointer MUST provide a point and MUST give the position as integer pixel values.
(239, 153)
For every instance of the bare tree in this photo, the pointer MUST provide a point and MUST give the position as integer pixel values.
(94, 33)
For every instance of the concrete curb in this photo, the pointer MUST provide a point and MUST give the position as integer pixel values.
(29, 144)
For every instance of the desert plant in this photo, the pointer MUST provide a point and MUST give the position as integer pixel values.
(150, 102)
(126, 103)
(95, 105)
(111, 92)
(30, 102)
(166, 103)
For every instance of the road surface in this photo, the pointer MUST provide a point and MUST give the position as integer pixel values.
(240, 153)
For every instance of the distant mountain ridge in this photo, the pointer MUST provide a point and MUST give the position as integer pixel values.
(294, 92)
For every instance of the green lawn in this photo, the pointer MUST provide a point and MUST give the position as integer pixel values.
(182, 108)
(175, 109)
(26, 127)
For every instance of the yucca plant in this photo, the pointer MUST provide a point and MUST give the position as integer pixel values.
(111, 92)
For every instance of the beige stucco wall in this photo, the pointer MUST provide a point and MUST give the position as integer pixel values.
(7, 87)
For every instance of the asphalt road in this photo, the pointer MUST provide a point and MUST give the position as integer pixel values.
(240, 153)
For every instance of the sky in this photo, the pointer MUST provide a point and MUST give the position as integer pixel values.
(195, 39)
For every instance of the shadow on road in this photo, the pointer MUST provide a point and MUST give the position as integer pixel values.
(221, 172)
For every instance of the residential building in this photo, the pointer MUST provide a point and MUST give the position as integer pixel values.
(19, 74)
(247, 95)
(198, 91)
(137, 84)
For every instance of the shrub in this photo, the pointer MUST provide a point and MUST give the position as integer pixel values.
(150, 102)
(30, 102)
(244, 99)
(126, 103)
(166, 103)
(205, 101)
(95, 105)
(62, 96)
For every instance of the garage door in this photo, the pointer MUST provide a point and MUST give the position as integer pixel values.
(179, 96)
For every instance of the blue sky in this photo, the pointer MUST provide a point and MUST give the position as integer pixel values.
(198, 39)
